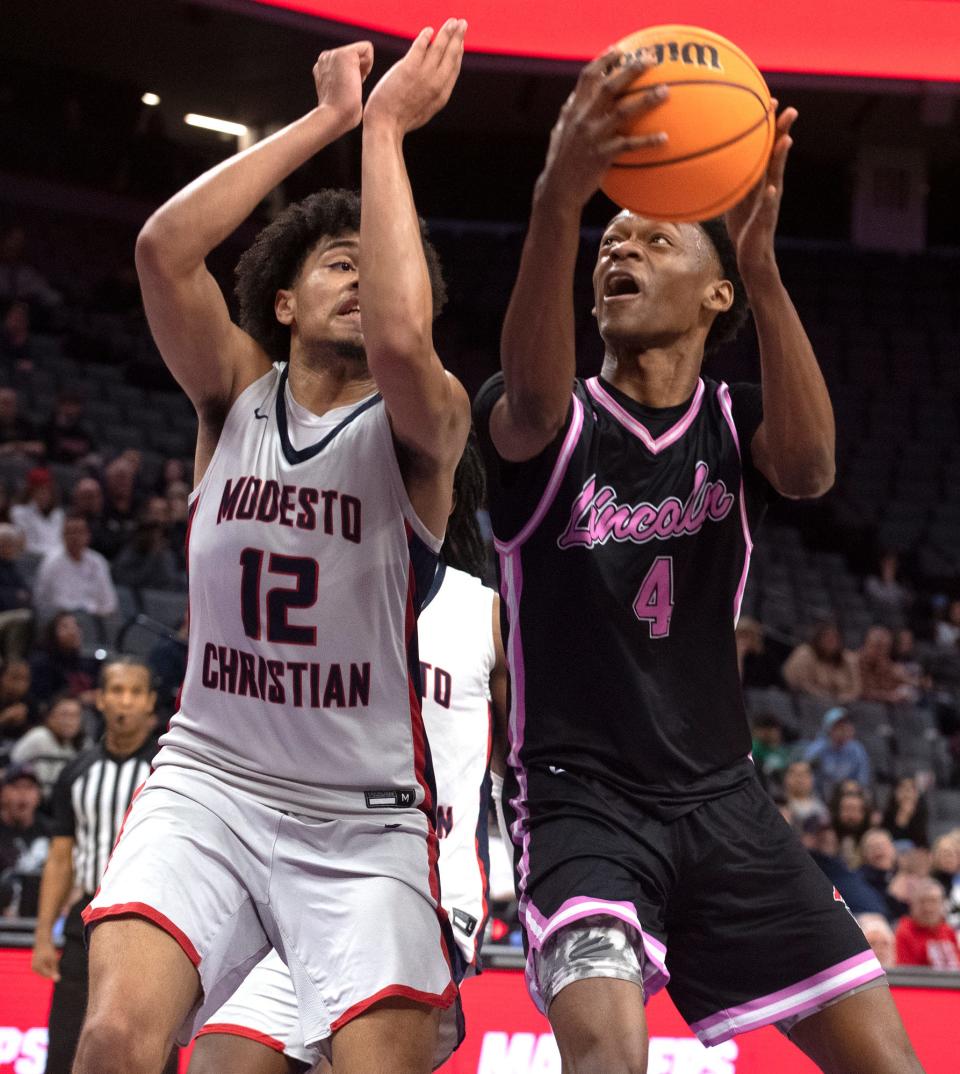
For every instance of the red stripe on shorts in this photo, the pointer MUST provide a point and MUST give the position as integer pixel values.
(428, 999)
(141, 909)
(231, 1030)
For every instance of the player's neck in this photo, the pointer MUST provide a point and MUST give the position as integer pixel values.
(322, 382)
(654, 377)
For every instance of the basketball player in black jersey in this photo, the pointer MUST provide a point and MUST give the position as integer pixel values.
(647, 853)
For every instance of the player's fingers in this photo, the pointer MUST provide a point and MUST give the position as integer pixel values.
(631, 66)
(627, 143)
(453, 52)
(420, 44)
(640, 101)
(602, 65)
(778, 161)
(441, 42)
(786, 120)
(364, 50)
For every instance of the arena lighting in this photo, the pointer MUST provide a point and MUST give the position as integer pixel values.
(150, 98)
(906, 39)
(211, 123)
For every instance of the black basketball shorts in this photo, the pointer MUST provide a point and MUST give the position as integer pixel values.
(729, 912)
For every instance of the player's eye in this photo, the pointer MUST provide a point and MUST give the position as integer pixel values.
(342, 266)
(609, 240)
(659, 239)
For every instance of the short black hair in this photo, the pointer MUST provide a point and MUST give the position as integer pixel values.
(727, 324)
(278, 252)
(463, 546)
(124, 660)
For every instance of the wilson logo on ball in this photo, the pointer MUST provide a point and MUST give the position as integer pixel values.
(692, 53)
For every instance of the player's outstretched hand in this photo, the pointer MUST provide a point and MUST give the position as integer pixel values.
(753, 222)
(420, 83)
(46, 961)
(339, 74)
(587, 136)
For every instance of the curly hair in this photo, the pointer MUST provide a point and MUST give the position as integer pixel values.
(727, 324)
(463, 546)
(277, 254)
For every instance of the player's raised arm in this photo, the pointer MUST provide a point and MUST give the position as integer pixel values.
(794, 447)
(537, 344)
(210, 357)
(429, 411)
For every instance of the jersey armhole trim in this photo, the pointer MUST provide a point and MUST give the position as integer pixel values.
(229, 421)
(726, 406)
(553, 485)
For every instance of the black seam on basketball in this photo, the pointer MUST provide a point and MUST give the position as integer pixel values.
(700, 82)
(699, 153)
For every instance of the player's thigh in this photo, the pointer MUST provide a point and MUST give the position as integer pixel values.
(600, 1026)
(392, 1036)
(216, 1053)
(142, 984)
(861, 1032)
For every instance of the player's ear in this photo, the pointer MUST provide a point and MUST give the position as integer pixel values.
(719, 296)
(284, 306)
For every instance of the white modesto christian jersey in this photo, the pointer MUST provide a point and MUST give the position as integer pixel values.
(456, 643)
(307, 568)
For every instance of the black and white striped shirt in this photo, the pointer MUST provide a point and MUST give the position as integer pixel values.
(90, 800)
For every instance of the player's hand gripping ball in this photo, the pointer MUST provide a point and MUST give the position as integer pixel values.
(719, 119)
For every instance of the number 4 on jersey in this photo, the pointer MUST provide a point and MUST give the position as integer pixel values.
(654, 601)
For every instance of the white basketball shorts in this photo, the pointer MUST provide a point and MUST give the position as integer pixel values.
(350, 902)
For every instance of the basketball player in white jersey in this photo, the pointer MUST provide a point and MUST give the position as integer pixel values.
(257, 1031)
(292, 797)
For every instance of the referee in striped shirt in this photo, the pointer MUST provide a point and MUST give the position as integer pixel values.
(90, 800)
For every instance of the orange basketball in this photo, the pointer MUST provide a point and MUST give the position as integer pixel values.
(719, 120)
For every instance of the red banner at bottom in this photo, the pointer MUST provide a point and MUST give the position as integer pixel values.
(506, 1035)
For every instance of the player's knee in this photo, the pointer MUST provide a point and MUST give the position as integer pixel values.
(114, 1043)
(596, 1051)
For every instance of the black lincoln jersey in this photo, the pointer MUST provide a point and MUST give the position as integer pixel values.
(623, 554)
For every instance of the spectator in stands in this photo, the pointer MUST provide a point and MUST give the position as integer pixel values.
(168, 663)
(178, 493)
(59, 665)
(120, 506)
(889, 597)
(17, 347)
(68, 436)
(24, 841)
(758, 657)
(801, 800)
(923, 937)
(836, 754)
(146, 561)
(86, 499)
(16, 616)
(880, 936)
(946, 632)
(906, 814)
(945, 869)
(770, 753)
(823, 668)
(18, 711)
(48, 748)
(881, 677)
(173, 470)
(913, 866)
(39, 519)
(75, 578)
(821, 842)
(850, 816)
(19, 279)
(18, 435)
(878, 867)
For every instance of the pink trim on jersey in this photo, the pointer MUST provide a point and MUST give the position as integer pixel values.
(230, 1030)
(654, 444)
(142, 909)
(723, 395)
(800, 999)
(484, 886)
(540, 929)
(556, 476)
(428, 999)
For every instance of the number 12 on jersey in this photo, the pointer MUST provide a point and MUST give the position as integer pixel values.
(654, 601)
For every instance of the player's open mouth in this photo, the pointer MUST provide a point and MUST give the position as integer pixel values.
(349, 308)
(620, 285)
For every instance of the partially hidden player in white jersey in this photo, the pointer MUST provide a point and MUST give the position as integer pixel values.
(257, 1031)
(291, 803)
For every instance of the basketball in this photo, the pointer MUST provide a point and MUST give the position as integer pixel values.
(719, 120)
